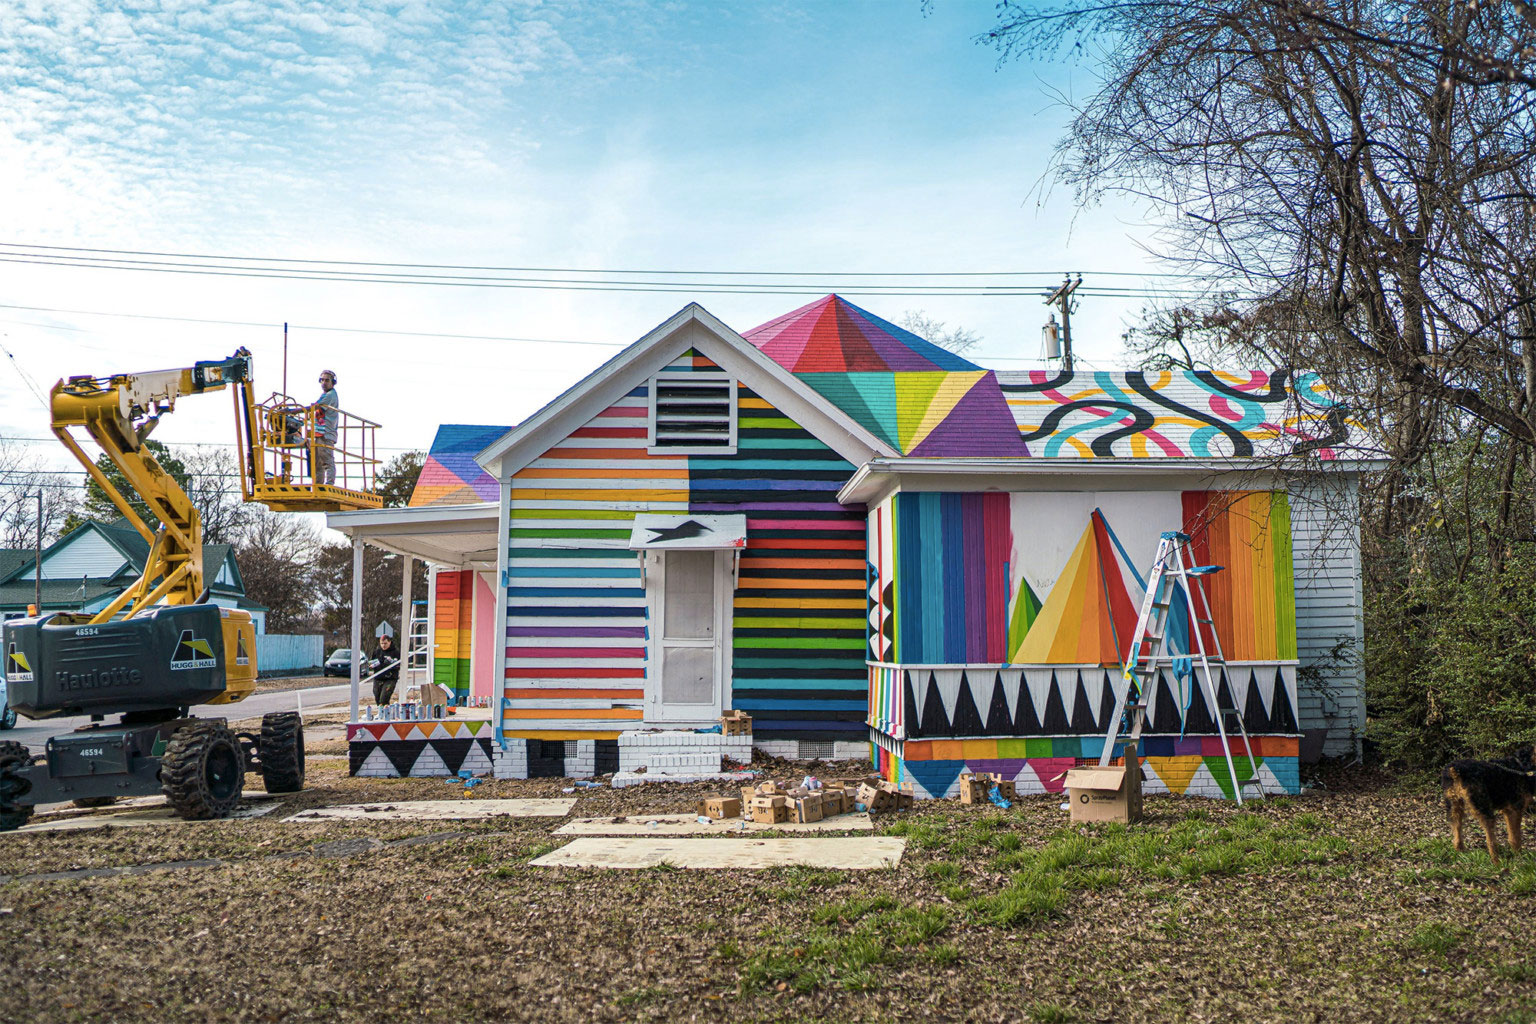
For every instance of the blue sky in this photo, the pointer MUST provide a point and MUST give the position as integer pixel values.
(819, 136)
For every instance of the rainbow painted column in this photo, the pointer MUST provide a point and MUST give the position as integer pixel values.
(453, 632)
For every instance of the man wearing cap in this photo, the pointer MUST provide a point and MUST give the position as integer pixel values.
(327, 417)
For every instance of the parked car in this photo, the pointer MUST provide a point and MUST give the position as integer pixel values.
(340, 662)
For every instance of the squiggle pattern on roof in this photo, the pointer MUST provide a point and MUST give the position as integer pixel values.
(1189, 413)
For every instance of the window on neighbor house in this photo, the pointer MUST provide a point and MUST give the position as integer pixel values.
(693, 413)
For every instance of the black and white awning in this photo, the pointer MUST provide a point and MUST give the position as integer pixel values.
(707, 533)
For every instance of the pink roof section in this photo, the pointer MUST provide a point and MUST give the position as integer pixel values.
(832, 335)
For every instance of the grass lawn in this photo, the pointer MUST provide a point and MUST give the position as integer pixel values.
(1346, 905)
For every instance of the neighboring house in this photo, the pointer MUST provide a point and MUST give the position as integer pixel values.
(94, 563)
(877, 548)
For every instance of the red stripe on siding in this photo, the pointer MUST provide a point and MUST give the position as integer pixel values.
(609, 432)
(568, 672)
(576, 652)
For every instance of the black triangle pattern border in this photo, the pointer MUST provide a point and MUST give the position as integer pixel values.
(981, 707)
(403, 754)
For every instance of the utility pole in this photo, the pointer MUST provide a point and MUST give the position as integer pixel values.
(37, 559)
(1062, 299)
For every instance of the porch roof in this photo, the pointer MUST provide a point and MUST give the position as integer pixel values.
(456, 536)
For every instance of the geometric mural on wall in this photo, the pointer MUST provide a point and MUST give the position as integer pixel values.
(948, 703)
(449, 473)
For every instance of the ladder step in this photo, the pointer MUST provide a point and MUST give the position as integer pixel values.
(1206, 622)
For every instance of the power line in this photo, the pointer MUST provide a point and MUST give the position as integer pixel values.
(576, 270)
(198, 444)
(1013, 284)
(308, 327)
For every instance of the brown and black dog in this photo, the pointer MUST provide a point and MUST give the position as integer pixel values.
(1507, 785)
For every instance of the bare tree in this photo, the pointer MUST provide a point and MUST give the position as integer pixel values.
(958, 340)
(278, 554)
(23, 475)
(213, 484)
(1373, 213)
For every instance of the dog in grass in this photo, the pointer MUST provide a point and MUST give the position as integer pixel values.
(1507, 785)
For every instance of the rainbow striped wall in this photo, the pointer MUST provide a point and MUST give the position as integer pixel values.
(453, 632)
(952, 590)
(576, 608)
(1253, 599)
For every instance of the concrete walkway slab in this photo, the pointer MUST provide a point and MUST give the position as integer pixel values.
(67, 809)
(869, 853)
(131, 819)
(439, 810)
(689, 825)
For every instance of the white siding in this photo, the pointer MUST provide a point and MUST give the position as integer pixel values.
(88, 554)
(1330, 631)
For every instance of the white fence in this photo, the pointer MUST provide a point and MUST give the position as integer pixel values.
(276, 653)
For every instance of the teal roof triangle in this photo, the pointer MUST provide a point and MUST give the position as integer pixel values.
(870, 398)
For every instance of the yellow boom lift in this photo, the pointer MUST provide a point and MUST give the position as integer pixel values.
(160, 648)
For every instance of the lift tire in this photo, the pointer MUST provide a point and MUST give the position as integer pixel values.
(202, 772)
(281, 752)
(13, 816)
(8, 718)
(94, 801)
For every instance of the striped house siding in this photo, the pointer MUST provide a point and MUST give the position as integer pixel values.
(799, 625)
(576, 609)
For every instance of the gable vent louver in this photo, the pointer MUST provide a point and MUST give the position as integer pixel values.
(696, 411)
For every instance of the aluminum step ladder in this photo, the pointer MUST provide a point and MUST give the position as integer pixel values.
(418, 646)
(1147, 656)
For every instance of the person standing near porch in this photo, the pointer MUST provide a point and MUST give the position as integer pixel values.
(327, 418)
(385, 656)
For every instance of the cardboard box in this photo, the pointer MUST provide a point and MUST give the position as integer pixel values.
(875, 800)
(719, 807)
(977, 789)
(770, 810)
(1106, 794)
(834, 802)
(808, 807)
(735, 723)
(431, 694)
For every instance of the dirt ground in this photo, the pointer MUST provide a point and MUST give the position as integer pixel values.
(1344, 904)
(278, 684)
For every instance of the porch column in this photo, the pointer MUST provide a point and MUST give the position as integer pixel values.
(403, 641)
(357, 621)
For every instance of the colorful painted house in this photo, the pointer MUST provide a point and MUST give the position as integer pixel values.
(879, 549)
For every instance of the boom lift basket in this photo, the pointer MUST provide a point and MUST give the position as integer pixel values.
(278, 461)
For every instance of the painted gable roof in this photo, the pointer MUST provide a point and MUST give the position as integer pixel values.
(450, 475)
(832, 335)
(692, 327)
(915, 396)
(925, 401)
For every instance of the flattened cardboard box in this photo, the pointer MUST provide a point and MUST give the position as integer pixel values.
(1106, 794)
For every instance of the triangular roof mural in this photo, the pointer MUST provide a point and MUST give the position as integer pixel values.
(917, 397)
(832, 335)
(450, 475)
(1088, 617)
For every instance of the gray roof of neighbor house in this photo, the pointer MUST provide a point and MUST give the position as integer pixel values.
(12, 559)
(18, 593)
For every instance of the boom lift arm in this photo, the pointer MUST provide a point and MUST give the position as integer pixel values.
(119, 412)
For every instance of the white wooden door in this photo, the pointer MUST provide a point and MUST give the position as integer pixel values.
(689, 635)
